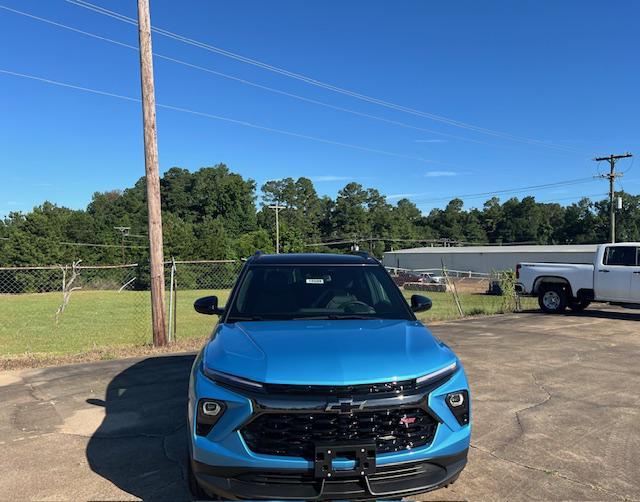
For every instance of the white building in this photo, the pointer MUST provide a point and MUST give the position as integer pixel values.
(486, 258)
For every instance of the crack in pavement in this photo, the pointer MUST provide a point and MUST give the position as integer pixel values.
(181, 465)
(533, 406)
(593, 487)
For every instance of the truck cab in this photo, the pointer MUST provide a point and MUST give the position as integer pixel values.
(613, 276)
(617, 273)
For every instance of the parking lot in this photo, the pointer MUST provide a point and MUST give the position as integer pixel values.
(556, 416)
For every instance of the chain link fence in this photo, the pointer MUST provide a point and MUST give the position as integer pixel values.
(190, 280)
(72, 308)
(457, 293)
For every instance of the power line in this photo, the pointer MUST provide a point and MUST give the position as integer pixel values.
(221, 118)
(545, 186)
(245, 81)
(90, 244)
(573, 197)
(324, 85)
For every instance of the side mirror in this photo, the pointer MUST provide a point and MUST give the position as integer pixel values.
(208, 305)
(420, 303)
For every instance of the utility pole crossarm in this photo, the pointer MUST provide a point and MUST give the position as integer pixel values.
(614, 157)
(611, 176)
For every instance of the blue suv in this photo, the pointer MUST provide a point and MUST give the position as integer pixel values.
(319, 383)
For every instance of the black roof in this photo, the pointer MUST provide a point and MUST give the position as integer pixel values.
(312, 259)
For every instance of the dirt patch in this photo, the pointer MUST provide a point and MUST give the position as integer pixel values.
(9, 378)
(39, 360)
(470, 285)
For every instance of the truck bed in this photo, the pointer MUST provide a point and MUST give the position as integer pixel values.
(579, 275)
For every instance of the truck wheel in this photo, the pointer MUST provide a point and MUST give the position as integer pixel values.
(579, 305)
(552, 299)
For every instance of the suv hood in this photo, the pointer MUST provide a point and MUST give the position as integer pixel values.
(331, 352)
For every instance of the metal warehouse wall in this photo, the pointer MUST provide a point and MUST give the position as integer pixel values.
(484, 261)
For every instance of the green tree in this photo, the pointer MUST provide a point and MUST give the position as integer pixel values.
(350, 218)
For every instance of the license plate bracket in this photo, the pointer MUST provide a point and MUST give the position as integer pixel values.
(364, 455)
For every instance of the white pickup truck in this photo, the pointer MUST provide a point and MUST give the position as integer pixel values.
(614, 276)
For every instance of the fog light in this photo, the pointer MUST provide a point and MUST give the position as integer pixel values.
(456, 399)
(207, 415)
(211, 408)
(458, 403)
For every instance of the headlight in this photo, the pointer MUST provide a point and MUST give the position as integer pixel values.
(458, 403)
(231, 380)
(207, 415)
(437, 375)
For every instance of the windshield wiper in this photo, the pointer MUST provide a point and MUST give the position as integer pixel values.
(334, 317)
(245, 318)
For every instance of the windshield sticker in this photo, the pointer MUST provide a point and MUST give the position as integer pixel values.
(315, 281)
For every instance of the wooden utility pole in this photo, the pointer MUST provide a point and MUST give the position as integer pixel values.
(277, 207)
(156, 256)
(611, 176)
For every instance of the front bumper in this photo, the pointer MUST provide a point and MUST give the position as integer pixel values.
(223, 464)
(391, 480)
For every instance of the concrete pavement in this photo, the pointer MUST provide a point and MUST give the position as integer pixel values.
(555, 415)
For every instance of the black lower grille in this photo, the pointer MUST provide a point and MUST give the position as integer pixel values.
(342, 390)
(296, 434)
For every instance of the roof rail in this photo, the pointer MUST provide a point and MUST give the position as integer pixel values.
(361, 254)
(255, 256)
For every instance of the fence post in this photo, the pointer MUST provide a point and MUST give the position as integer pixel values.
(174, 287)
(452, 286)
(171, 311)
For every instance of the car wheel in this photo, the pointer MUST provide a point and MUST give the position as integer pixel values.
(552, 299)
(579, 305)
(197, 493)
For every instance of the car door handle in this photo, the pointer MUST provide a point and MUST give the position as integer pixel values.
(637, 272)
(603, 270)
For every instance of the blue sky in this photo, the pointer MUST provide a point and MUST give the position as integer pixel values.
(565, 74)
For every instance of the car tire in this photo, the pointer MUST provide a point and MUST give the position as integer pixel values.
(552, 299)
(579, 305)
(196, 491)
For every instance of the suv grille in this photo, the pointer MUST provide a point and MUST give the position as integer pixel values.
(296, 434)
(330, 390)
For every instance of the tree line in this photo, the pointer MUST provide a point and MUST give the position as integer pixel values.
(214, 213)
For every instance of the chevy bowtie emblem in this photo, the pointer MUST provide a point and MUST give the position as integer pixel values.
(345, 405)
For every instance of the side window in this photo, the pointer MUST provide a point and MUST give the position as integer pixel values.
(625, 256)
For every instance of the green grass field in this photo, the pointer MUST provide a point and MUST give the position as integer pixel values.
(108, 319)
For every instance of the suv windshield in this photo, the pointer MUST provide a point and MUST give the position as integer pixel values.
(317, 292)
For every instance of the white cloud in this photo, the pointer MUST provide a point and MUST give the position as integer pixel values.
(440, 174)
(394, 196)
(320, 179)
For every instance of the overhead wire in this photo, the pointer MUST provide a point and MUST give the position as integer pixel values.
(247, 82)
(221, 118)
(324, 85)
(544, 186)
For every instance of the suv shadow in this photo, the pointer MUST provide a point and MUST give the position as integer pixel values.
(141, 445)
